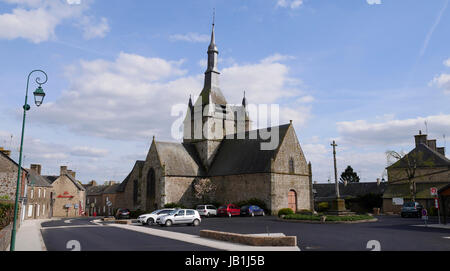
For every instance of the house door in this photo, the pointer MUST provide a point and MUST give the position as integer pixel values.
(292, 200)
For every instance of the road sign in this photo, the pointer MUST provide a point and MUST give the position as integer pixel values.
(424, 213)
(109, 203)
(436, 203)
(433, 191)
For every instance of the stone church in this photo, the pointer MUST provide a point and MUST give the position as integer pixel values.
(220, 159)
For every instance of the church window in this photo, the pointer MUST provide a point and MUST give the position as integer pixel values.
(291, 166)
(135, 191)
(151, 183)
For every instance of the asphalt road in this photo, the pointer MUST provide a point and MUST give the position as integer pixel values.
(91, 237)
(393, 234)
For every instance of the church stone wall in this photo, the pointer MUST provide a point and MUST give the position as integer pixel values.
(178, 190)
(152, 162)
(282, 184)
(235, 188)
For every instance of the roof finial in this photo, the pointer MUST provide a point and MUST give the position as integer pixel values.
(214, 15)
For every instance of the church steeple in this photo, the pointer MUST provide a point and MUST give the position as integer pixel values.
(212, 53)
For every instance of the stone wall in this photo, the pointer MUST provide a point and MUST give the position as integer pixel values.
(235, 188)
(178, 190)
(38, 203)
(8, 178)
(282, 184)
(151, 196)
(423, 175)
(125, 199)
(5, 237)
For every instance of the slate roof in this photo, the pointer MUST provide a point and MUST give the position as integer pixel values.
(243, 156)
(111, 189)
(179, 159)
(327, 191)
(37, 180)
(427, 156)
(95, 190)
(52, 179)
(402, 190)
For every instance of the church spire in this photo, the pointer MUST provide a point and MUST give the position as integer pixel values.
(212, 50)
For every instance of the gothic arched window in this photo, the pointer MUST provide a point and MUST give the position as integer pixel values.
(135, 191)
(291, 166)
(151, 183)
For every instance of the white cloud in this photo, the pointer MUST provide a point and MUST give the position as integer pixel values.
(391, 132)
(131, 97)
(85, 151)
(91, 29)
(442, 81)
(37, 20)
(374, 2)
(190, 37)
(293, 4)
(447, 62)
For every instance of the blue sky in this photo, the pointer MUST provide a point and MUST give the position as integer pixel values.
(365, 73)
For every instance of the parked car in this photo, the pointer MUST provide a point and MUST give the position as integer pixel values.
(151, 218)
(206, 210)
(122, 213)
(251, 210)
(180, 216)
(229, 210)
(411, 209)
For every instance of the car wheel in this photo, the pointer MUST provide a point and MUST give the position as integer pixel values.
(168, 223)
(207, 214)
(229, 215)
(196, 223)
(253, 214)
(150, 221)
(263, 214)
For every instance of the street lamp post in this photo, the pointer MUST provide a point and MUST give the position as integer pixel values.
(39, 95)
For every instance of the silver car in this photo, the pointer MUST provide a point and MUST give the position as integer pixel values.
(150, 219)
(181, 216)
(207, 210)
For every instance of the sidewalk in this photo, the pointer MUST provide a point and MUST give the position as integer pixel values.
(29, 237)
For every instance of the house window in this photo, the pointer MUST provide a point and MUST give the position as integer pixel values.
(43, 209)
(30, 210)
(291, 166)
(87, 200)
(37, 212)
(39, 193)
(31, 193)
(44, 193)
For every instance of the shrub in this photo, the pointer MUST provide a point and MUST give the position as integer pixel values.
(305, 212)
(174, 205)
(433, 211)
(6, 214)
(137, 213)
(323, 206)
(285, 211)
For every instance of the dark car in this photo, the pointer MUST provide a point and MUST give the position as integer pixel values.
(228, 210)
(122, 214)
(251, 210)
(411, 209)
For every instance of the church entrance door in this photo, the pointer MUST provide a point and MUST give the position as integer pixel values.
(292, 200)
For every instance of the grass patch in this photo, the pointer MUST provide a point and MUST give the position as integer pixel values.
(329, 217)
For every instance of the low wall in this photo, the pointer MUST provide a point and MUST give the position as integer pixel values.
(250, 240)
(5, 237)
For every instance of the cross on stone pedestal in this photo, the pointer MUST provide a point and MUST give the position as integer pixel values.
(335, 169)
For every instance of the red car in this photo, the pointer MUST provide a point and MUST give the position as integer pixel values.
(229, 210)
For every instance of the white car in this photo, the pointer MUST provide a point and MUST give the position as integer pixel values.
(151, 218)
(207, 210)
(181, 216)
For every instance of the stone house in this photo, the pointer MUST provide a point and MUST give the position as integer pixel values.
(69, 194)
(432, 170)
(221, 159)
(8, 180)
(94, 199)
(39, 195)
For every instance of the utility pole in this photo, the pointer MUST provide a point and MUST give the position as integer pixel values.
(335, 169)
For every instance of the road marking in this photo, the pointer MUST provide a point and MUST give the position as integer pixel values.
(448, 237)
(72, 226)
(68, 221)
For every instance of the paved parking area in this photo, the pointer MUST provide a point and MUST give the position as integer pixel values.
(392, 232)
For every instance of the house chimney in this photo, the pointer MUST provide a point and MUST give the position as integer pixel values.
(5, 152)
(36, 168)
(63, 170)
(378, 181)
(432, 144)
(420, 139)
(441, 150)
(72, 173)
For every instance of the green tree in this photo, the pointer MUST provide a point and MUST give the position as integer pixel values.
(349, 175)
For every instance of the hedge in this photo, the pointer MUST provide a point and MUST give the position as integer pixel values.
(6, 214)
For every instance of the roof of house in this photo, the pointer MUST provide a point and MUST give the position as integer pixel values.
(37, 180)
(12, 161)
(52, 179)
(427, 158)
(403, 190)
(111, 189)
(95, 190)
(327, 191)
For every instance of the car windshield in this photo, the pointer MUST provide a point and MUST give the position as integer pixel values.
(409, 204)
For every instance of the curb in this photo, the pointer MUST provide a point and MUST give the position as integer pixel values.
(327, 222)
(249, 240)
